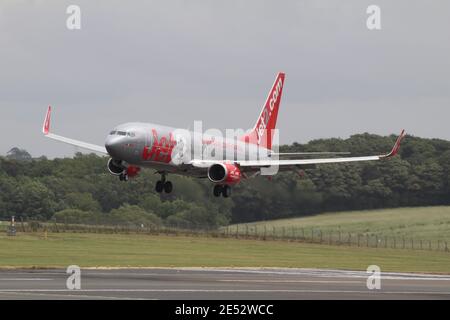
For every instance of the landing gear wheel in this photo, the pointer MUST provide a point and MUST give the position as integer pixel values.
(159, 186)
(168, 187)
(226, 191)
(217, 190)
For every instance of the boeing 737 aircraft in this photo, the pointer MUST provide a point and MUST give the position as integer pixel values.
(132, 146)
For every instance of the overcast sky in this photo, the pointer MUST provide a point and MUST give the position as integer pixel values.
(173, 62)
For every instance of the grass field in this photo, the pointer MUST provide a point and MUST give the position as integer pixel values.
(120, 250)
(427, 223)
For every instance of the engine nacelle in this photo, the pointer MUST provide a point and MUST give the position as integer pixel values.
(224, 173)
(115, 167)
(133, 171)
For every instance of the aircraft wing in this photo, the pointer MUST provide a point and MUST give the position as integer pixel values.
(294, 155)
(255, 164)
(81, 144)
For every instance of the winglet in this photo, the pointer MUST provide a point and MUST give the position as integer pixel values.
(396, 147)
(46, 126)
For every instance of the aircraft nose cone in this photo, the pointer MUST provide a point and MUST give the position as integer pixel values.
(112, 145)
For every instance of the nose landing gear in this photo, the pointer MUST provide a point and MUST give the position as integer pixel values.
(224, 190)
(163, 185)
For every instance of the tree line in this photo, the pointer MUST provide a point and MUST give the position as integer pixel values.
(80, 190)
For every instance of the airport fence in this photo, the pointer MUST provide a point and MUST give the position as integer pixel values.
(250, 232)
(334, 237)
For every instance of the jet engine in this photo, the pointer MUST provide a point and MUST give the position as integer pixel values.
(133, 171)
(224, 173)
(116, 167)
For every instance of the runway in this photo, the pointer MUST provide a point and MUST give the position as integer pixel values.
(219, 284)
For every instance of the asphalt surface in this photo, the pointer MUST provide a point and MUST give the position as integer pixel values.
(223, 284)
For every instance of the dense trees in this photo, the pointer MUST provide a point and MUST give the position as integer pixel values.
(80, 189)
(18, 154)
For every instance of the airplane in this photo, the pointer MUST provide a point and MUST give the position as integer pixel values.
(132, 146)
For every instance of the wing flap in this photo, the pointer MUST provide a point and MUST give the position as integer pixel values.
(300, 162)
(294, 155)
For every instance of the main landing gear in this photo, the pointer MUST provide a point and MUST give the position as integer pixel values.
(224, 190)
(123, 177)
(163, 185)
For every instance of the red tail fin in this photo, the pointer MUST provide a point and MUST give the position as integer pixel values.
(263, 131)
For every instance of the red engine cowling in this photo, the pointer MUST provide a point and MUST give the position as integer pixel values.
(224, 173)
(133, 171)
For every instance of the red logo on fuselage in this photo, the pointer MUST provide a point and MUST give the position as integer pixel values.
(161, 150)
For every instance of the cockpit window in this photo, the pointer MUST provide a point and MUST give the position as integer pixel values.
(123, 133)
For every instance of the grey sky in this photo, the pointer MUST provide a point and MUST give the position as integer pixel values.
(173, 62)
